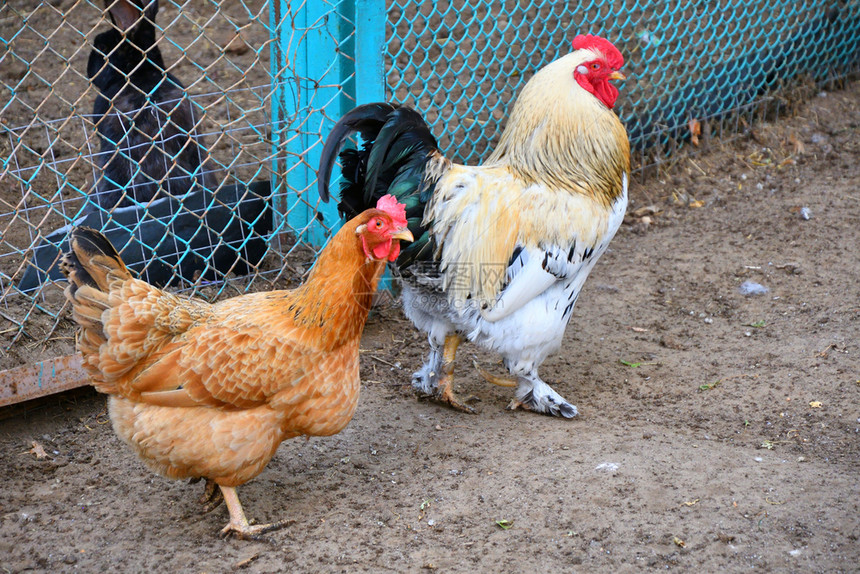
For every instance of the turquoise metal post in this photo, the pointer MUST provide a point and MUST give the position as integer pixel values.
(281, 23)
(370, 22)
(367, 47)
(311, 78)
(309, 72)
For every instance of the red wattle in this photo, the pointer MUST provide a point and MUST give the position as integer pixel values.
(607, 93)
(382, 249)
(602, 90)
(583, 81)
(394, 252)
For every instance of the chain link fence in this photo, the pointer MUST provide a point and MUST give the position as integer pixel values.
(181, 129)
(718, 61)
(201, 167)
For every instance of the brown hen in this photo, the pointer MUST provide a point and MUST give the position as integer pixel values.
(209, 391)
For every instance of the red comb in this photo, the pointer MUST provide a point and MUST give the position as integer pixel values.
(390, 205)
(602, 45)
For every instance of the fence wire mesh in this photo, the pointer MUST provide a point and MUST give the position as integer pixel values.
(201, 167)
(463, 63)
(176, 127)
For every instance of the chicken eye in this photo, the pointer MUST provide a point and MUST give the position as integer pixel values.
(595, 66)
(378, 224)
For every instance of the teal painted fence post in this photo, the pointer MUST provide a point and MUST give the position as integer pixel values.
(314, 84)
(308, 74)
(370, 23)
(284, 88)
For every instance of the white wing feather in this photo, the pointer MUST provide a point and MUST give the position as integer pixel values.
(530, 282)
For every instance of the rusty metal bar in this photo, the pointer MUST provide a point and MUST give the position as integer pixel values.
(41, 379)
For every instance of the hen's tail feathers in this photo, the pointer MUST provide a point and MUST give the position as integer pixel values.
(92, 261)
(399, 156)
(91, 266)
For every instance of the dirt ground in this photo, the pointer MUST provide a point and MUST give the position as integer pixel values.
(717, 430)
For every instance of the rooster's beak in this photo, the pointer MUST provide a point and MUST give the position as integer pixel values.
(616, 75)
(404, 235)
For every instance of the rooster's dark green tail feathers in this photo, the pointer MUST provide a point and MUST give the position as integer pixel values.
(367, 120)
(397, 145)
(398, 155)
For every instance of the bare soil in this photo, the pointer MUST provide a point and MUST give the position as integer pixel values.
(717, 430)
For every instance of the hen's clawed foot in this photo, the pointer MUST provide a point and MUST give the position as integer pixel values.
(212, 497)
(242, 530)
(239, 525)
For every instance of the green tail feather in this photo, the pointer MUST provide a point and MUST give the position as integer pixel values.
(392, 160)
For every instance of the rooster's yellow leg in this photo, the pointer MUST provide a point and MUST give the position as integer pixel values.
(495, 379)
(449, 351)
(445, 388)
(238, 524)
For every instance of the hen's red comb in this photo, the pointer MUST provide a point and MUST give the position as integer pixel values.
(390, 205)
(602, 45)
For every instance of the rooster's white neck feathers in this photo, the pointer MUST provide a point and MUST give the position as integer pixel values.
(560, 135)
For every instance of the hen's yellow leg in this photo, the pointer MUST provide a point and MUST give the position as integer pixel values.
(238, 524)
(445, 388)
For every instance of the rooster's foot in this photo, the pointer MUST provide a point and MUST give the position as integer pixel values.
(445, 393)
(549, 404)
(495, 379)
(424, 381)
(445, 388)
(515, 404)
(432, 388)
(435, 379)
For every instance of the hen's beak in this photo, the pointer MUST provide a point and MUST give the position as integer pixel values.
(616, 75)
(404, 235)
